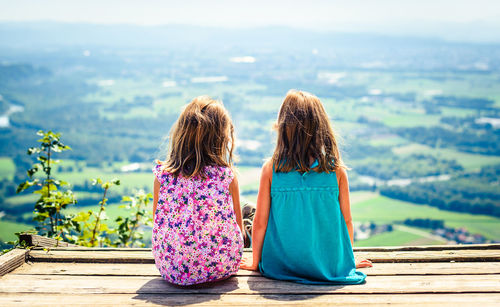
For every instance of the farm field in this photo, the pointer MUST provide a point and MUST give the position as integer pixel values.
(10, 228)
(399, 237)
(469, 161)
(7, 168)
(384, 210)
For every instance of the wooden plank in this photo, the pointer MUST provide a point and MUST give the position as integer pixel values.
(95, 257)
(94, 269)
(40, 241)
(12, 260)
(489, 246)
(35, 299)
(132, 269)
(359, 249)
(433, 268)
(12, 283)
(100, 256)
(431, 256)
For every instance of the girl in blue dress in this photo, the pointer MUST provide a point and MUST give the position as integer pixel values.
(302, 230)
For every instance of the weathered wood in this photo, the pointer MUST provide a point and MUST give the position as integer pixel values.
(427, 247)
(93, 269)
(132, 269)
(34, 299)
(464, 255)
(138, 256)
(73, 276)
(99, 256)
(13, 283)
(433, 268)
(40, 241)
(356, 249)
(12, 260)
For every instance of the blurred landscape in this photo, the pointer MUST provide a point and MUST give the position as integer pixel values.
(419, 117)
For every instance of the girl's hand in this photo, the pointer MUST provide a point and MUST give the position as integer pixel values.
(365, 263)
(247, 264)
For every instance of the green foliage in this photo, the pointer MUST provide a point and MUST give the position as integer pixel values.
(411, 166)
(128, 230)
(470, 138)
(52, 200)
(86, 228)
(424, 223)
(89, 226)
(475, 193)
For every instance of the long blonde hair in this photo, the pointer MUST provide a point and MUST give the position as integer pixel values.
(305, 133)
(203, 135)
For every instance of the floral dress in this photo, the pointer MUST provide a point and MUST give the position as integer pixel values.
(195, 236)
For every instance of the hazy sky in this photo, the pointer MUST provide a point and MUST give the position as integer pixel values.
(422, 17)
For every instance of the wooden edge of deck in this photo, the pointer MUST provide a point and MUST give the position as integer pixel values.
(40, 241)
(145, 256)
(59, 251)
(143, 260)
(427, 247)
(12, 260)
(492, 246)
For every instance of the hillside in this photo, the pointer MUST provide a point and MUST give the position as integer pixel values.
(419, 118)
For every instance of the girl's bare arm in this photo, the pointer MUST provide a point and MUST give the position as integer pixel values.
(345, 207)
(234, 189)
(261, 218)
(345, 203)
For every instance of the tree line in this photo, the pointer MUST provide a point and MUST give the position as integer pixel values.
(475, 193)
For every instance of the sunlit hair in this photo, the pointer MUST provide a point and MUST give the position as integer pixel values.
(203, 135)
(305, 134)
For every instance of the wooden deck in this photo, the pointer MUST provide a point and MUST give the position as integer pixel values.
(466, 275)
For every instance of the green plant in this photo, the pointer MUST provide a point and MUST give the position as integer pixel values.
(18, 243)
(129, 233)
(86, 228)
(48, 208)
(89, 226)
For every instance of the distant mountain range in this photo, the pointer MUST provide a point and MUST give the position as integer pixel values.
(51, 34)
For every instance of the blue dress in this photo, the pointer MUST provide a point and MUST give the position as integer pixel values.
(306, 240)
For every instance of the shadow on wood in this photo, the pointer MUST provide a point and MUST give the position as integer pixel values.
(174, 295)
(283, 288)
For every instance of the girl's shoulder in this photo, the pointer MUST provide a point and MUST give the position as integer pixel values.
(267, 168)
(217, 173)
(341, 173)
(159, 173)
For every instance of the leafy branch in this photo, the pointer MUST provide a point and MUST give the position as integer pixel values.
(128, 227)
(52, 201)
(85, 228)
(93, 232)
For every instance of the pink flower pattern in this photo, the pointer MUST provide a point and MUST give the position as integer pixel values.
(195, 235)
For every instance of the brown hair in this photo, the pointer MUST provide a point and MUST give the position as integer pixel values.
(203, 135)
(305, 133)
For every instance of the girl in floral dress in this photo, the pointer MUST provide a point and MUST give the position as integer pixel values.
(197, 234)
